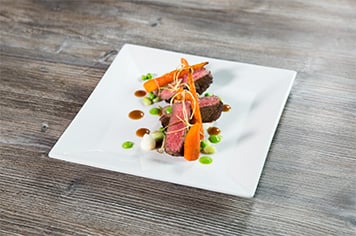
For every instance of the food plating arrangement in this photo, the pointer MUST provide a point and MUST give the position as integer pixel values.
(186, 113)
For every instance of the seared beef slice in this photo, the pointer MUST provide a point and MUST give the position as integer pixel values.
(177, 130)
(202, 80)
(210, 108)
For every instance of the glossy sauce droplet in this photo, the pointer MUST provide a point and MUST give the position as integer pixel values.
(142, 131)
(140, 93)
(136, 114)
(226, 108)
(213, 130)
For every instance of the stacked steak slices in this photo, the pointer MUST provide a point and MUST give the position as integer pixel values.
(177, 121)
(202, 80)
(210, 108)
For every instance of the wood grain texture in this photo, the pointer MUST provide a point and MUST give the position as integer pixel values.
(53, 53)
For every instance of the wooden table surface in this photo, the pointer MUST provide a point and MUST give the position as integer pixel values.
(53, 53)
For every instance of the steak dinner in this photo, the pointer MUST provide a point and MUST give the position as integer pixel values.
(182, 131)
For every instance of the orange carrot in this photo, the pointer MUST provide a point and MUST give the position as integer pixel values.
(184, 62)
(197, 119)
(156, 83)
(196, 132)
(192, 143)
(196, 108)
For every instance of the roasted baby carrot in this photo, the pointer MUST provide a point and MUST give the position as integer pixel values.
(195, 103)
(196, 132)
(192, 143)
(156, 83)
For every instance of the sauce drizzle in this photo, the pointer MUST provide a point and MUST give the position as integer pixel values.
(142, 131)
(213, 130)
(136, 114)
(140, 93)
(226, 108)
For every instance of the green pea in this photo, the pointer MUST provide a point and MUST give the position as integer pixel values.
(155, 111)
(156, 99)
(169, 110)
(157, 135)
(207, 94)
(147, 101)
(209, 150)
(205, 160)
(203, 144)
(151, 95)
(215, 138)
(127, 145)
(147, 76)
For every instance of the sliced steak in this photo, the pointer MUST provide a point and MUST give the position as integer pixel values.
(166, 94)
(177, 130)
(202, 80)
(210, 108)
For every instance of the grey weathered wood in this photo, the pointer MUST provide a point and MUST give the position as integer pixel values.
(53, 53)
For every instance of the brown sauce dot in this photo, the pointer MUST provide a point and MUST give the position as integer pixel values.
(142, 131)
(226, 108)
(213, 130)
(140, 93)
(136, 114)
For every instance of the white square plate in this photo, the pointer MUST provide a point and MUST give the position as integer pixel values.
(256, 94)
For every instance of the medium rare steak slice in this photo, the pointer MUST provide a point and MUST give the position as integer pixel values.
(210, 109)
(202, 80)
(177, 130)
